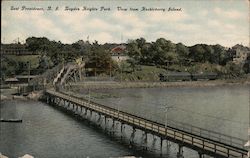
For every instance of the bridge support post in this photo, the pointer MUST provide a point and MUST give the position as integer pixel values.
(161, 144)
(51, 101)
(54, 101)
(113, 127)
(105, 122)
(168, 144)
(145, 140)
(99, 119)
(90, 114)
(132, 136)
(85, 112)
(121, 127)
(201, 155)
(180, 152)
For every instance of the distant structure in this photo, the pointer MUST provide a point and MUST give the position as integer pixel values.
(15, 49)
(241, 54)
(119, 53)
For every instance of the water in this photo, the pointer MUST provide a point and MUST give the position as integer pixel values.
(49, 132)
(221, 109)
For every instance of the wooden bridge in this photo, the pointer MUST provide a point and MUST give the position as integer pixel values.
(203, 145)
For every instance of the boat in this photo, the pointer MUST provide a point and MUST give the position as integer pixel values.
(11, 120)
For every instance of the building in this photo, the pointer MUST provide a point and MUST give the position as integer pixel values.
(241, 54)
(119, 53)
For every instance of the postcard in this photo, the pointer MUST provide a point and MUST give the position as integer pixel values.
(131, 78)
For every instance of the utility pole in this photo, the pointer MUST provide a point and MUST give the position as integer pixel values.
(166, 114)
(29, 71)
(110, 70)
(118, 108)
(95, 65)
(166, 121)
(248, 142)
(248, 154)
(120, 66)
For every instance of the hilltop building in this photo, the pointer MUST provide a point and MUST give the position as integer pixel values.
(241, 54)
(119, 53)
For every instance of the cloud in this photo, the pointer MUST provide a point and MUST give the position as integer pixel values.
(204, 13)
(129, 19)
(167, 16)
(131, 26)
(187, 27)
(220, 26)
(205, 25)
(74, 20)
(232, 14)
(134, 33)
(4, 23)
(103, 37)
(33, 23)
(100, 24)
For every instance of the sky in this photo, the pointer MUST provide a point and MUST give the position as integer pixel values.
(224, 22)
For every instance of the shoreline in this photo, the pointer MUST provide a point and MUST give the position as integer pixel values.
(31, 96)
(191, 84)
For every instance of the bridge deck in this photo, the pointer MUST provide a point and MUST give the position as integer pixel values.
(183, 138)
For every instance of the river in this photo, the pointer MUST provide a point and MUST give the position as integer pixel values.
(49, 132)
(223, 109)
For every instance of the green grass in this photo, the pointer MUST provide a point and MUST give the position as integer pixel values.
(147, 73)
(33, 59)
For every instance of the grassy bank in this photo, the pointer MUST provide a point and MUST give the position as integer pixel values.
(145, 73)
(112, 85)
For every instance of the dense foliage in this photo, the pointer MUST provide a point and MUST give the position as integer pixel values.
(164, 52)
(97, 57)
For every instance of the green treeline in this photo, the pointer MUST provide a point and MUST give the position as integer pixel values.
(164, 52)
(161, 54)
(178, 57)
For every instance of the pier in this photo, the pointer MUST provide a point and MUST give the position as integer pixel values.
(203, 145)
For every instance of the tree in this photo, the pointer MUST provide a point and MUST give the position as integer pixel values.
(99, 59)
(37, 44)
(165, 52)
(183, 53)
(209, 51)
(219, 55)
(197, 53)
(134, 51)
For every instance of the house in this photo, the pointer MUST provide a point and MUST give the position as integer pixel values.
(240, 54)
(119, 53)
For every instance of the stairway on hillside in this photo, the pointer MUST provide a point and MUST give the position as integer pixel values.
(69, 72)
(66, 72)
(59, 75)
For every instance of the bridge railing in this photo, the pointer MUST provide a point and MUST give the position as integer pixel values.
(216, 136)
